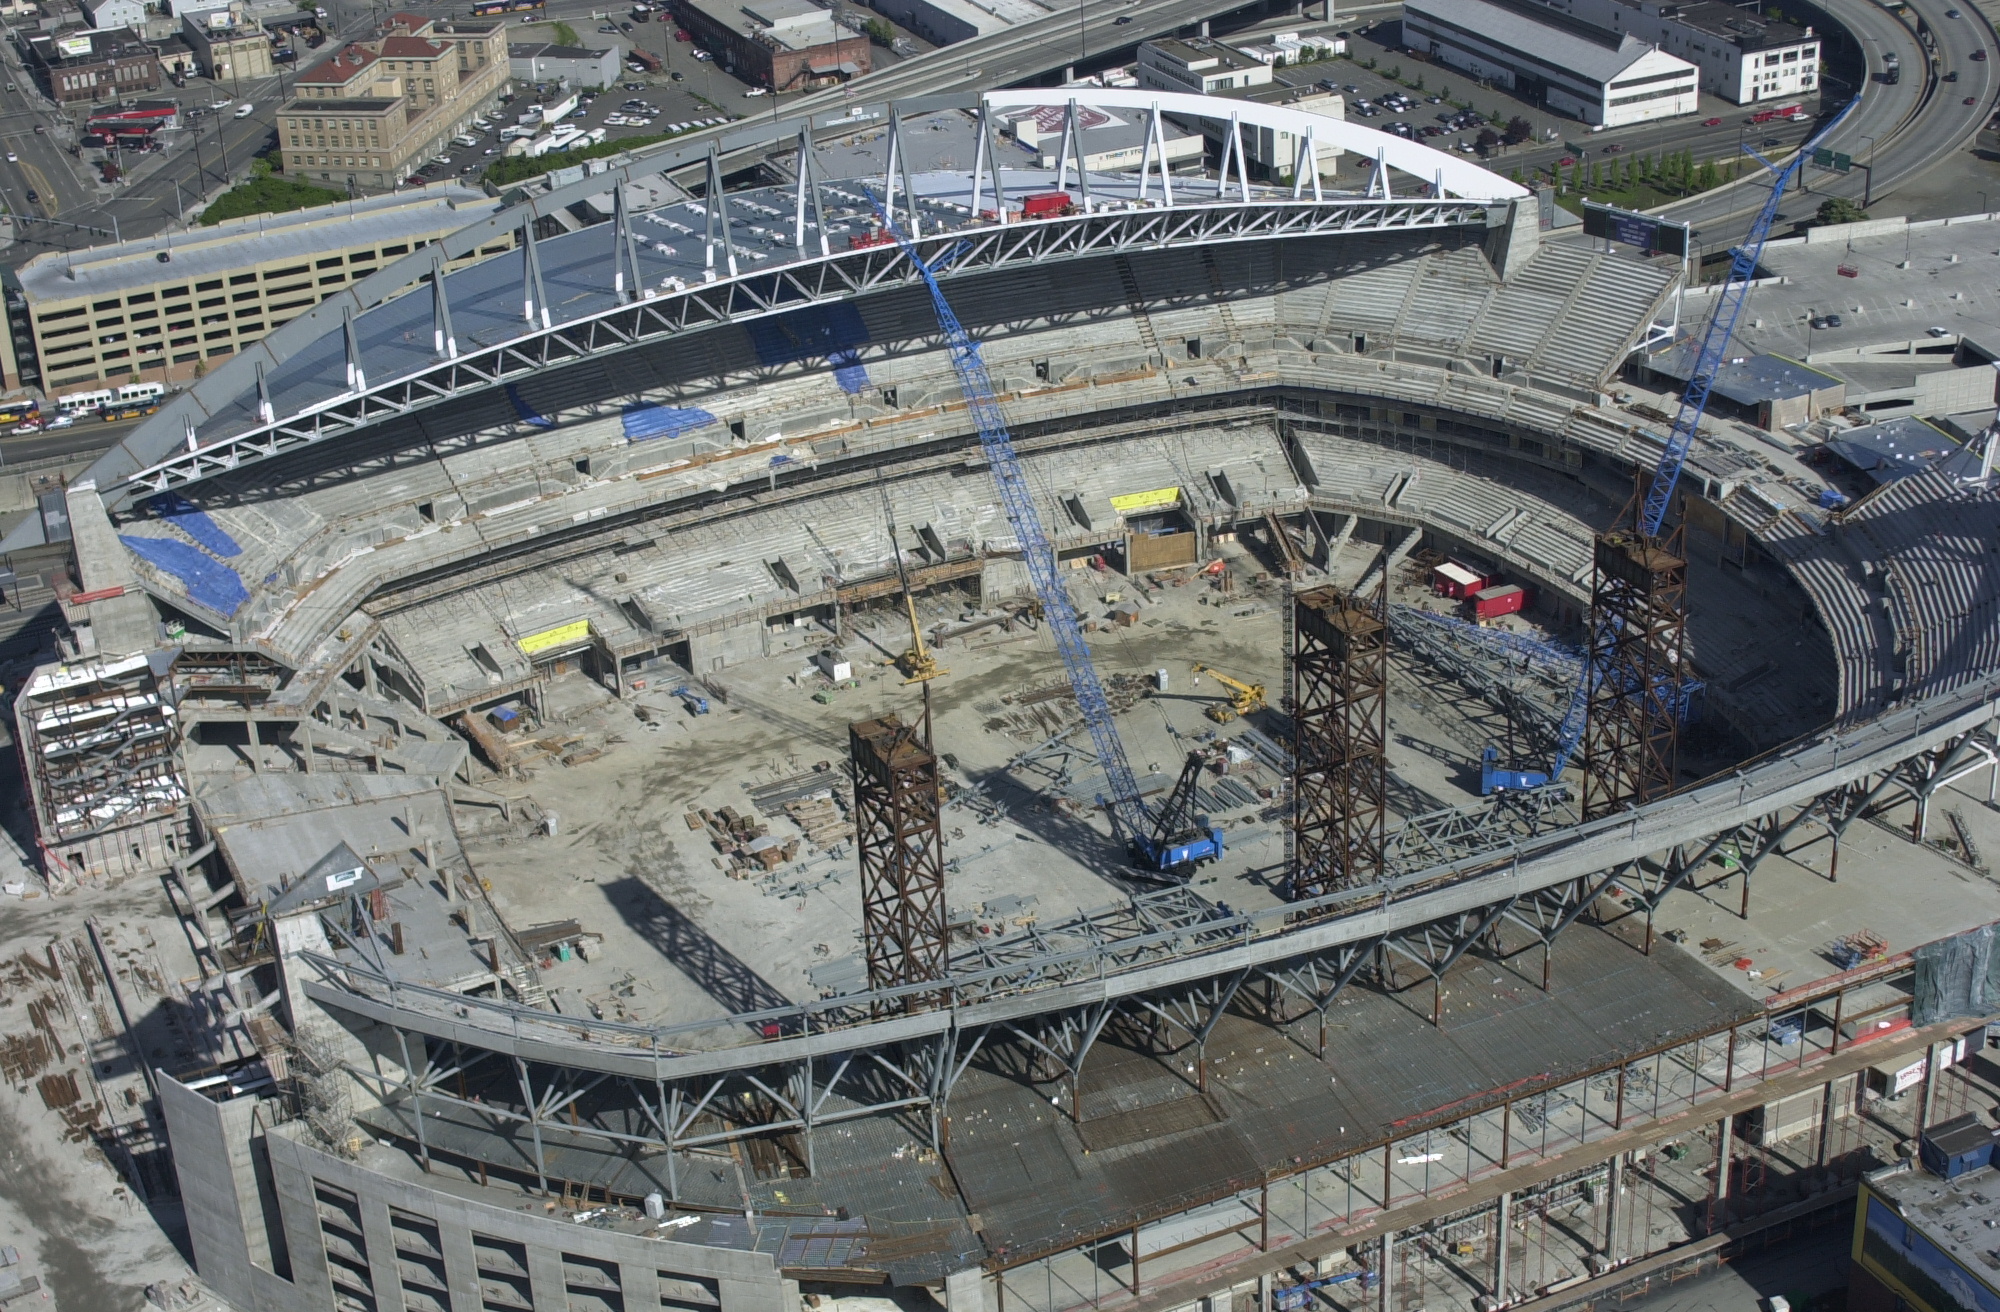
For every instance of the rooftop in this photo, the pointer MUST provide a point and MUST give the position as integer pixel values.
(1199, 53)
(1748, 380)
(1900, 448)
(343, 66)
(1959, 1216)
(1746, 29)
(102, 270)
(347, 105)
(542, 50)
(1554, 38)
(411, 47)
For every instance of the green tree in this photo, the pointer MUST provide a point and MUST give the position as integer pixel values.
(1516, 176)
(1706, 176)
(1596, 175)
(1519, 128)
(1369, 63)
(879, 31)
(1420, 81)
(1838, 209)
(1575, 177)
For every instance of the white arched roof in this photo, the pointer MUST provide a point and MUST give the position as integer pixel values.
(1462, 177)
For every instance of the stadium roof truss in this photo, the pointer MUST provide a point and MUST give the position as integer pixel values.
(388, 346)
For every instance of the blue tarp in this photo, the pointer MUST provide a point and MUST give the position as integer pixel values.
(193, 521)
(526, 411)
(647, 423)
(208, 581)
(849, 372)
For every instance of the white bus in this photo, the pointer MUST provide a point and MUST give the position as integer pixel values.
(78, 404)
(131, 392)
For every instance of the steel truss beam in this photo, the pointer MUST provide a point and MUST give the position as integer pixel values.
(812, 279)
(900, 847)
(1339, 669)
(1638, 651)
(1165, 939)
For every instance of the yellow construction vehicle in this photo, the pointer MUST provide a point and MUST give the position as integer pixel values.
(916, 664)
(1244, 698)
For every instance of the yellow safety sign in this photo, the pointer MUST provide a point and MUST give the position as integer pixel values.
(1156, 499)
(560, 636)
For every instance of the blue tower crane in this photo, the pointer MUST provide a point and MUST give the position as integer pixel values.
(1652, 514)
(1164, 843)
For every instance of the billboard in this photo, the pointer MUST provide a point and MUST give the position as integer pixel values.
(1648, 232)
(74, 47)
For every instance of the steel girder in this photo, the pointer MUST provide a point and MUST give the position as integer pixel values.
(813, 280)
(1149, 947)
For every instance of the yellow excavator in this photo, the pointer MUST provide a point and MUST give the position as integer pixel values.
(916, 664)
(1244, 698)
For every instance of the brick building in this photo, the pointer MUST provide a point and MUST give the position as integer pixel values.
(787, 45)
(83, 66)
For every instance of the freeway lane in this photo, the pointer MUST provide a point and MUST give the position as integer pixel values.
(1904, 129)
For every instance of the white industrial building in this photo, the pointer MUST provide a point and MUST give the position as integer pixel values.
(1604, 78)
(942, 22)
(1198, 65)
(1743, 56)
(1111, 141)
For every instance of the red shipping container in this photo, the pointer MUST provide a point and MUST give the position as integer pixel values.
(1454, 580)
(1507, 599)
(1044, 204)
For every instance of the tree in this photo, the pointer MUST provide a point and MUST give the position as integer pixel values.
(1575, 177)
(1839, 209)
(879, 31)
(1396, 74)
(1519, 128)
(1486, 140)
(1705, 177)
(1516, 176)
(566, 35)
(1420, 82)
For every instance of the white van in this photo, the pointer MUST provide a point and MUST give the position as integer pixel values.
(246, 109)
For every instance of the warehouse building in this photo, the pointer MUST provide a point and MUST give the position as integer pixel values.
(541, 62)
(1111, 141)
(787, 45)
(170, 307)
(1744, 56)
(1603, 78)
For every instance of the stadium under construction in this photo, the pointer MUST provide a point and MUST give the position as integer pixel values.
(851, 731)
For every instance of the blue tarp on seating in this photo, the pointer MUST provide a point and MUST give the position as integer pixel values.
(648, 423)
(208, 581)
(193, 521)
(526, 411)
(849, 372)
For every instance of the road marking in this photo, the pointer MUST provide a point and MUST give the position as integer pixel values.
(40, 182)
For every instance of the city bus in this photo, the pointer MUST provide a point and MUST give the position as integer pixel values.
(16, 412)
(78, 404)
(488, 8)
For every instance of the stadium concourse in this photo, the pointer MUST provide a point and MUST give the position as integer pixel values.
(453, 656)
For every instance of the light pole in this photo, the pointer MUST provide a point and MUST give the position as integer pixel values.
(1868, 174)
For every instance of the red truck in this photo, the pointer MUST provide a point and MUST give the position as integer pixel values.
(1504, 599)
(877, 237)
(1780, 111)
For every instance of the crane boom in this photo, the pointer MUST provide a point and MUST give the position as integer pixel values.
(1715, 336)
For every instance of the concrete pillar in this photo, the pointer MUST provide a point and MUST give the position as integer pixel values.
(965, 1291)
(640, 1283)
(545, 1278)
(1725, 1147)
(1503, 1224)
(256, 748)
(461, 1268)
(381, 1240)
(1927, 1101)
(1614, 1181)
(1385, 1291)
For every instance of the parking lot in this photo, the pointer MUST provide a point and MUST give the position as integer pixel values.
(1433, 96)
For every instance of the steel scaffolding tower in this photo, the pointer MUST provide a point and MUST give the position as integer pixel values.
(1340, 697)
(1638, 648)
(901, 851)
